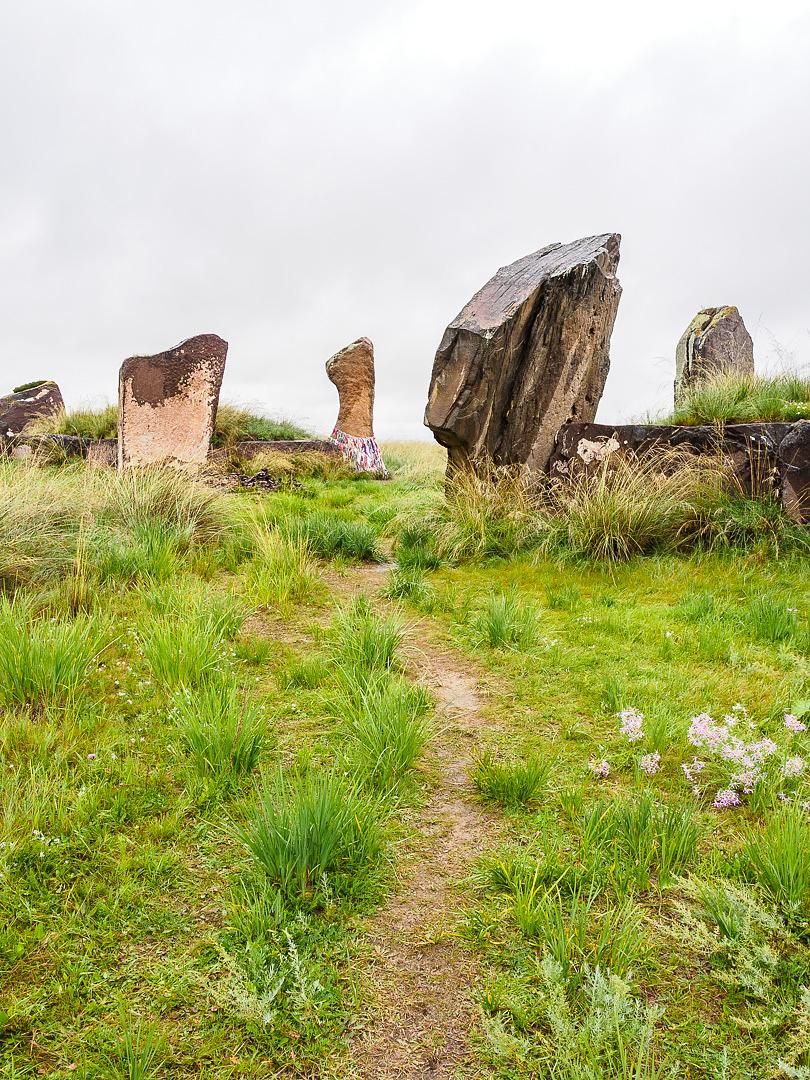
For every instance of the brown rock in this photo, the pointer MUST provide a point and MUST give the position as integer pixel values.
(20, 409)
(765, 457)
(168, 403)
(528, 353)
(794, 464)
(103, 454)
(715, 341)
(352, 372)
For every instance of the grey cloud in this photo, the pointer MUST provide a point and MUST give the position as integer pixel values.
(293, 180)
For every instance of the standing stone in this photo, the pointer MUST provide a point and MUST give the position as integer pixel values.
(352, 372)
(21, 408)
(168, 403)
(527, 354)
(715, 341)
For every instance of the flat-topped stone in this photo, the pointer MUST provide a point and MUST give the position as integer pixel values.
(168, 403)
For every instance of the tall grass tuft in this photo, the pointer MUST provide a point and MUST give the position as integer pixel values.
(144, 497)
(315, 835)
(492, 511)
(771, 619)
(223, 730)
(283, 570)
(386, 720)
(638, 839)
(779, 861)
(632, 504)
(506, 621)
(86, 423)
(333, 537)
(363, 640)
(515, 783)
(733, 397)
(39, 522)
(186, 648)
(43, 661)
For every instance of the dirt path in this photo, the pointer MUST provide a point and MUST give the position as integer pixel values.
(421, 975)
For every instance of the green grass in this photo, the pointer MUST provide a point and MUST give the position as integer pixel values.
(214, 765)
(315, 836)
(733, 398)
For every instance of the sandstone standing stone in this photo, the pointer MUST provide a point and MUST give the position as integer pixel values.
(715, 341)
(21, 408)
(168, 403)
(527, 354)
(352, 372)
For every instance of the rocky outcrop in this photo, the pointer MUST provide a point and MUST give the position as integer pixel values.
(715, 341)
(527, 354)
(764, 457)
(168, 404)
(352, 372)
(25, 405)
(44, 449)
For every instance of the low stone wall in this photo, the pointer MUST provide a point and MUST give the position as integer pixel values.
(21, 447)
(251, 448)
(769, 454)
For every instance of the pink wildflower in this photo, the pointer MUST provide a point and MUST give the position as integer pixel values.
(794, 724)
(726, 798)
(794, 766)
(632, 724)
(599, 768)
(693, 769)
(650, 763)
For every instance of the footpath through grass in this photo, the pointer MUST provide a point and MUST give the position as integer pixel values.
(204, 762)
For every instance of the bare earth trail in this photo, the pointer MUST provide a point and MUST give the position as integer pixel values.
(422, 977)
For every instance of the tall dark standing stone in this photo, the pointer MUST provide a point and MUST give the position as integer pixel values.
(168, 403)
(715, 341)
(21, 408)
(528, 353)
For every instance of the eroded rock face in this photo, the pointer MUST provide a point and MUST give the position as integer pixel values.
(765, 457)
(103, 454)
(716, 340)
(168, 403)
(21, 408)
(352, 372)
(528, 353)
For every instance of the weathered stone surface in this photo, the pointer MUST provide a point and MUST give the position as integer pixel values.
(794, 459)
(45, 447)
(527, 354)
(168, 403)
(103, 454)
(20, 409)
(765, 456)
(352, 372)
(715, 341)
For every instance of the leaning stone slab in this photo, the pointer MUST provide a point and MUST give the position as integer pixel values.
(715, 341)
(766, 456)
(20, 409)
(352, 372)
(168, 404)
(527, 354)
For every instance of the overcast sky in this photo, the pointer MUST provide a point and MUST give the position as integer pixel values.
(294, 176)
